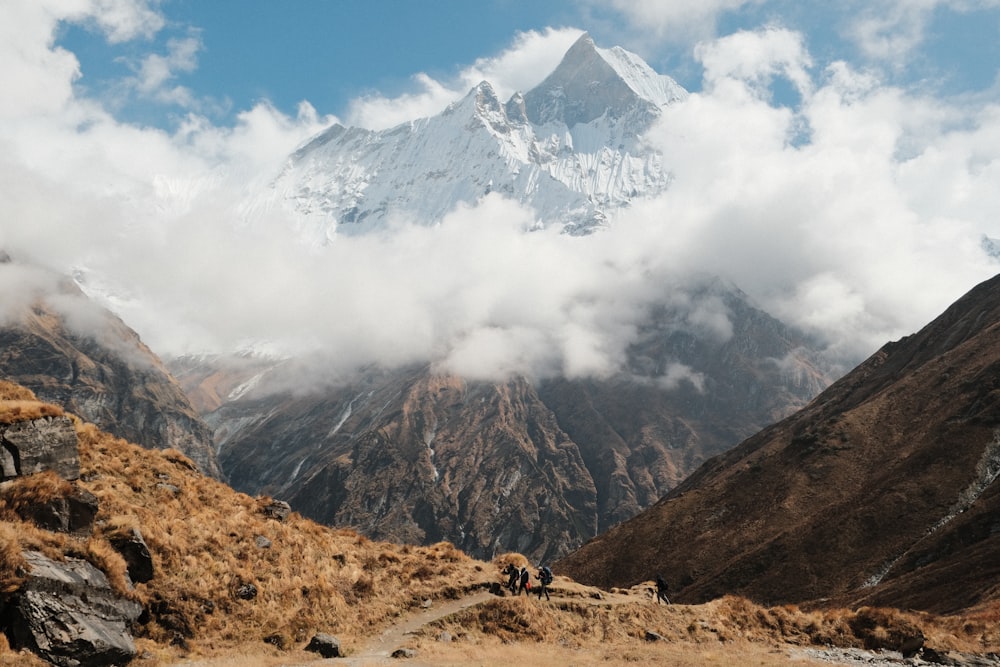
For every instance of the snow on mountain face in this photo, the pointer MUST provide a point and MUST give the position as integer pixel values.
(570, 148)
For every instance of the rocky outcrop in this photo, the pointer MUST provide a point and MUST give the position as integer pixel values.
(72, 512)
(35, 445)
(327, 646)
(882, 491)
(81, 357)
(132, 547)
(275, 509)
(68, 614)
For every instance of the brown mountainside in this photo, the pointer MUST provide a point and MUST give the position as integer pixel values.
(538, 468)
(418, 458)
(236, 582)
(882, 490)
(73, 353)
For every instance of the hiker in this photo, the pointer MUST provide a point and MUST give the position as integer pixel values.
(545, 578)
(661, 589)
(525, 581)
(513, 574)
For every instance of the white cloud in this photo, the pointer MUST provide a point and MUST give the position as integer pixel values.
(20, 286)
(856, 215)
(677, 374)
(156, 72)
(890, 30)
(525, 64)
(377, 112)
(124, 20)
(35, 77)
(756, 58)
(677, 19)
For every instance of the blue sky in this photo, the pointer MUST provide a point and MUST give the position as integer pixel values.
(325, 52)
(838, 161)
(243, 52)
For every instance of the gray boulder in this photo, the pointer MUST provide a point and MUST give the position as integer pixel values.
(276, 509)
(132, 547)
(68, 614)
(47, 443)
(326, 645)
(72, 513)
(404, 653)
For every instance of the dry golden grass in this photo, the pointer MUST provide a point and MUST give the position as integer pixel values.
(11, 658)
(730, 630)
(34, 489)
(204, 541)
(18, 403)
(10, 391)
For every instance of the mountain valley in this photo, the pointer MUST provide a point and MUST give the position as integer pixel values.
(413, 455)
(881, 491)
(246, 507)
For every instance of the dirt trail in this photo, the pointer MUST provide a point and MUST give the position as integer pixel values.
(377, 650)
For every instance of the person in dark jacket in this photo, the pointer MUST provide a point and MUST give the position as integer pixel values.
(661, 589)
(513, 575)
(544, 579)
(525, 578)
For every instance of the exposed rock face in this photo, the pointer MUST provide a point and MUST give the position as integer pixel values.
(132, 547)
(35, 445)
(484, 466)
(882, 491)
(68, 614)
(90, 363)
(640, 435)
(72, 513)
(414, 456)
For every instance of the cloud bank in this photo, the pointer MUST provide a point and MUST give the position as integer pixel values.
(856, 214)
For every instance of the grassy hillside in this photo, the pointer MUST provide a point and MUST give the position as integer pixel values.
(208, 541)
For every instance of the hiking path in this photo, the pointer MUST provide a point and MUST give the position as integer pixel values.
(377, 650)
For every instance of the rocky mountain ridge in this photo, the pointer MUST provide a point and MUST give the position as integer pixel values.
(413, 455)
(883, 490)
(71, 352)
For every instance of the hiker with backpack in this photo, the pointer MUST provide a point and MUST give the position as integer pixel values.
(513, 575)
(661, 589)
(545, 578)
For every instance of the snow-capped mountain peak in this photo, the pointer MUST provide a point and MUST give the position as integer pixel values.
(570, 148)
(591, 82)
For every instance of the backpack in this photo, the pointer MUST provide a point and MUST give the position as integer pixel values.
(546, 575)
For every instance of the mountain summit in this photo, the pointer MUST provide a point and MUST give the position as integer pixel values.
(570, 148)
(590, 83)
